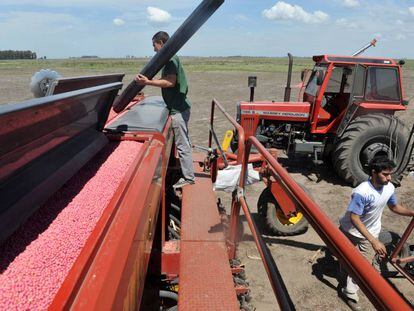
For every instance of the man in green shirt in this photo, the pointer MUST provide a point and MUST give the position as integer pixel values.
(174, 88)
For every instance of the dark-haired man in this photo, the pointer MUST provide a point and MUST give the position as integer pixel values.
(174, 88)
(362, 221)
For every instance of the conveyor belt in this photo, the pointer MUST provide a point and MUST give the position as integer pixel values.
(206, 281)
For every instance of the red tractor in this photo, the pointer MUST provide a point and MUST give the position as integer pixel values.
(346, 114)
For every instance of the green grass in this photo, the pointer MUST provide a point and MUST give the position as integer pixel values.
(409, 64)
(130, 66)
(192, 64)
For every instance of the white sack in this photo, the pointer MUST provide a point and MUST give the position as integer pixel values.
(228, 178)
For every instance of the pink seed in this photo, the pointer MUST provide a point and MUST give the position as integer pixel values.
(36, 259)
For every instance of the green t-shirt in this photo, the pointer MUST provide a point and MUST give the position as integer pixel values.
(175, 97)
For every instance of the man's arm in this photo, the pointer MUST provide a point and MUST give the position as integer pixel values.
(166, 82)
(378, 247)
(401, 210)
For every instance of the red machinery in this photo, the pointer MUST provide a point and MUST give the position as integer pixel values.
(344, 113)
(92, 243)
(87, 212)
(346, 117)
(82, 204)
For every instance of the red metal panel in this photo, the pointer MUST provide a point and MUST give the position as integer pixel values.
(353, 59)
(283, 111)
(286, 202)
(200, 217)
(206, 282)
(381, 106)
(314, 119)
(170, 261)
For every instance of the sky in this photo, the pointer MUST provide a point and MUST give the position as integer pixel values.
(107, 28)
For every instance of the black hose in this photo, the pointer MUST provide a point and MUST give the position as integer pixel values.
(175, 219)
(173, 233)
(169, 294)
(176, 207)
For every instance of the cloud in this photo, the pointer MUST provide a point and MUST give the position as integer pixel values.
(285, 11)
(118, 22)
(157, 16)
(411, 9)
(343, 22)
(400, 36)
(351, 3)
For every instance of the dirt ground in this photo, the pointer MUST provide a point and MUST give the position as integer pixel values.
(312, 286)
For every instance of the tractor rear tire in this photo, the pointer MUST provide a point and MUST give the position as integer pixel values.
(367, 137)
(390, 240)
(275, 221)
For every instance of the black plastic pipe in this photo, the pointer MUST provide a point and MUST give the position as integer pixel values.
(190, 26)
(289, 79)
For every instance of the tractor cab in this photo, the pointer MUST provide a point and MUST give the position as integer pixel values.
(337, 83)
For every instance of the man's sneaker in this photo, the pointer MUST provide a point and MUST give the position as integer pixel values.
(183, 182)
(351, 303)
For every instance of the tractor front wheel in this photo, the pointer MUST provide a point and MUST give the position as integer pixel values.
(275, 220)
(367, 137)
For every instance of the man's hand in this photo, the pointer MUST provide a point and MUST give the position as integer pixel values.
(379, 248)
(141, 79)
(166, 82)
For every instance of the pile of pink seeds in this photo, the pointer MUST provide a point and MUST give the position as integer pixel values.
(36, 259)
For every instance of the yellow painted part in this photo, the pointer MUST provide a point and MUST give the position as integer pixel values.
(288, 221)
(227, 140)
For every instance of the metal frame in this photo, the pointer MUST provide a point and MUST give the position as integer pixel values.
(380, 293)
(238, 202)
(237, 126)
(396, 262)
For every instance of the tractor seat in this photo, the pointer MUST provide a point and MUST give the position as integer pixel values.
(150, 115)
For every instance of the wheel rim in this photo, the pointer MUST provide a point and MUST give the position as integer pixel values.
(371, 150)
(288, 221)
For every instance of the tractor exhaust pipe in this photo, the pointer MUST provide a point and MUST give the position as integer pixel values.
(190, 26)
(289, 79)
(363, 49)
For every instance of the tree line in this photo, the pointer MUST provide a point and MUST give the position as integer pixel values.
(10, 54)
